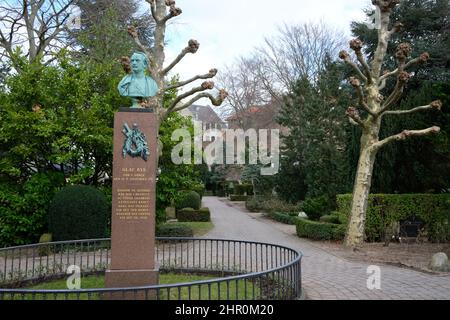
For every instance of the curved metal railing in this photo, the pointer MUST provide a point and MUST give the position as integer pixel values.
(243, 270)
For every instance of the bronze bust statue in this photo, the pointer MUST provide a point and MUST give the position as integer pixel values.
(137, 85)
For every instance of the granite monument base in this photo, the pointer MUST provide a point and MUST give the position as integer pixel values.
(133, 204)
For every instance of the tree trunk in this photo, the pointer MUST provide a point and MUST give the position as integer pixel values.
(363, 180)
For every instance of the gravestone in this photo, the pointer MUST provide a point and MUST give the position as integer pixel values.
(133, 202)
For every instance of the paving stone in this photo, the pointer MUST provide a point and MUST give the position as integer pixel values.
(324, 275)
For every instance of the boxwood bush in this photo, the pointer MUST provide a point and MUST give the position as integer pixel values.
(243, 189)
(191, 215)
(319, 230)
(330, 218)
(270, 204)
(173, 230)
(237, 197)
(316, 207)
(189, 199)
(283, 218)
(78, 212)
(385, 209)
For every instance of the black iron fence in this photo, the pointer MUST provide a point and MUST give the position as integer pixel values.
(242, 270)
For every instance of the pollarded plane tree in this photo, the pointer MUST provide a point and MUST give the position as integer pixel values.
(369, 84)
(162, 11)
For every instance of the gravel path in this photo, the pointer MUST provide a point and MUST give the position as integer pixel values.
(324, 275)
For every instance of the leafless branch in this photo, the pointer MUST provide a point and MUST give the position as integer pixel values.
(207, 85)
(134, 34)
(424, 57)
(406, 134)
(356, 45)
(173, 10)
(216, 101)
(353, 114)
(208, 75)
(346, 58)
(396, 94)
(436, 105)
(192, 47)
(359, 91)
(42, 22)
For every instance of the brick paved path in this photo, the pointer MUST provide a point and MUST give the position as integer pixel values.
(324, 275)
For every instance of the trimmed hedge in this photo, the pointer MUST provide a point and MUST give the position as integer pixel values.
(78, 212)
(270, 204)
(190, 199)
(315, 207)
(283, 218)
(385, 209)
(330, 218)
(191, 215)
(237, 197)
(319, 230)
(173, 230)
(242, 189)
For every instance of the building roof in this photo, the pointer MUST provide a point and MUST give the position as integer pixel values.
(204, 114)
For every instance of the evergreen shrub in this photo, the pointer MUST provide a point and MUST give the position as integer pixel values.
(78, 212)
(319, 230)
(385, 209)
(316, 207)
(283, 218)
(189, 199)
(191, 215)
(173, 230)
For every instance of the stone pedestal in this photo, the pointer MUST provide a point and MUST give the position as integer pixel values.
(133, 203)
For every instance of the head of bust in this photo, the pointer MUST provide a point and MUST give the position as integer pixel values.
(139, 62)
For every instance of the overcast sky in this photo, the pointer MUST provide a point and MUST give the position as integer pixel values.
(227, 29)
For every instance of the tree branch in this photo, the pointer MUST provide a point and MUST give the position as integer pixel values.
(406, 134)
(134, 34)
(346, 57)
(437, 105)
(205, 86)
(173, 11)
(216, 101)
(402, 79)
(353, 114)
(424, 57)
(153, 10)
(208, 75)
(192, 47)
(384, 34)
(357, 85)
(356, 45)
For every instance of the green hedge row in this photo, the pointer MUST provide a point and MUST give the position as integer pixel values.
(319, 230)
(270, 204)
(191, 215)
(241, 189)
(385, 209)
(330, 218)
(237, 197)
(173, 230)
(283, 218)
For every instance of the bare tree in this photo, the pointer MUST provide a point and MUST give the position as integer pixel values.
(244, 88)
(37, 25)
(162, 11)
(369, 84)
(298, 51)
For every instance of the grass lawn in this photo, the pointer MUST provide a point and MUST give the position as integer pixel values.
(232, 291)
(199, 228)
